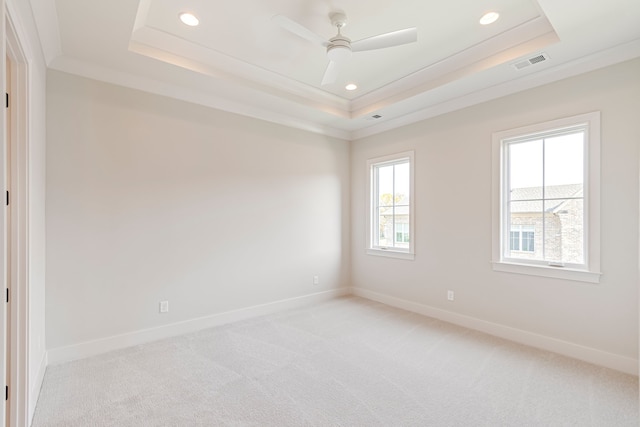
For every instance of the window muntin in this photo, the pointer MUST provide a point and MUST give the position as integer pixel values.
(391, 195)
(548, 176)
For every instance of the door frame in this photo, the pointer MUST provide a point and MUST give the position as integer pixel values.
(19, 232)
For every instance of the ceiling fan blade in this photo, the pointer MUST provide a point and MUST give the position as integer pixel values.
(331, 73)
(381, 41)
(299, 30)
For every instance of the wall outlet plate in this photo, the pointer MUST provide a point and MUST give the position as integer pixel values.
(164, 306)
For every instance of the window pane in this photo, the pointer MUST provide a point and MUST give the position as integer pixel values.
(403, 212)
(514, 241)
(525, 170)
(402, 194)
(385, 227)
(525, 213)
(526, 219)
(564, 234)
(391, 210)
(564, 159)
(545, 199)
(385, 185)
(402, 231)
(547, 186)
(528, 241)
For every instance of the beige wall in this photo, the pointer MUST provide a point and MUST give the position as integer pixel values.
(152, 199)
(453, 249)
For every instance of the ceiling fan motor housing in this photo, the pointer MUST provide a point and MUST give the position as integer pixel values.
(339, 48)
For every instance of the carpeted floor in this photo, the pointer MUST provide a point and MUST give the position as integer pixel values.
(347, 362)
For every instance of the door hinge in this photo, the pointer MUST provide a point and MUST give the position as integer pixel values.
(7, 294)
(6, 392)
(7, 97)
(7, 197)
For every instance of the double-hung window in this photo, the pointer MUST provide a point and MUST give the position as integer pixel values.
(391, 231)
(546, 199)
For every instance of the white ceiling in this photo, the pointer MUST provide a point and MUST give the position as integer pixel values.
(239, 60)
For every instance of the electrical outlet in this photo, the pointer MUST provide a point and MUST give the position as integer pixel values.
(164, 306)
(450, 295)
(316, 280)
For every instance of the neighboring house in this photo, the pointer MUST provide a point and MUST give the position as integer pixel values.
(558, 215)
(394, 233)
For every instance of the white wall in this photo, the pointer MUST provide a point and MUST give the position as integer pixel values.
(453, 217)
(28, 38)
(151, 199)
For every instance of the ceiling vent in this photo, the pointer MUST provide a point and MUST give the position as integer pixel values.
(373, 117)
(531, 61)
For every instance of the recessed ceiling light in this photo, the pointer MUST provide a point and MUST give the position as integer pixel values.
(189, 19)
(351, 86)
(489, 18)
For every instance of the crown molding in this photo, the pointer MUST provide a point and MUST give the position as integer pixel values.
(287, 118)
(146, 84)
(595, 61)
(45, 15)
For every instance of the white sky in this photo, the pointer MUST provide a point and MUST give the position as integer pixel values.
(563, 161)
(401, 179)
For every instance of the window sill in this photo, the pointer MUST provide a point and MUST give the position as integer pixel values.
(391, 254)
(544, 271)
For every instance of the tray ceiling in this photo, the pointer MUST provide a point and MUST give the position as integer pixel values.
(238, 59)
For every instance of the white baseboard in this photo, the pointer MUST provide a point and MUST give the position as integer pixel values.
(103, 345)
(576, 351)
(90, 348)
(36, 386)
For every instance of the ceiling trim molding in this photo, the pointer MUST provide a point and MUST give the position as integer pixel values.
(237, 74)
(506, 46)
(146, 84)
(45, 15)
(617, 54)
(457, 74)
(592, 62)
(163, 46)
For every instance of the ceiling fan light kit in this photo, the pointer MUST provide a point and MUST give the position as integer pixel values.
(340, 48)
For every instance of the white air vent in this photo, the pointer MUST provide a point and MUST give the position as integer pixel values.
(530, 61)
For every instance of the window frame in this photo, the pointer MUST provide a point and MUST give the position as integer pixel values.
(590, 270)
(395, 252)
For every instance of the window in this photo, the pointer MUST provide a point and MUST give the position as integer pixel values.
(522, 238)
(546, 195)
(402, 232)
(391, 208)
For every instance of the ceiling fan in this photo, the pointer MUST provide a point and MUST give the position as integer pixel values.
(340, 47)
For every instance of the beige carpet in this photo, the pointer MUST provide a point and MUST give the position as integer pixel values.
(347, 362)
